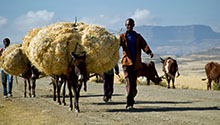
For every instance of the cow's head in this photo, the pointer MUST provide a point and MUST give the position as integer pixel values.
(79, 65)
(155, 78)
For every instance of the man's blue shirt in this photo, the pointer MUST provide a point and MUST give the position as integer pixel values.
(132, 45)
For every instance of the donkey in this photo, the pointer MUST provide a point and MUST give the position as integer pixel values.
(30, 77)
(76, 74)
(57, 82)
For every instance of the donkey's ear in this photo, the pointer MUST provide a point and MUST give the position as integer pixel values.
(73, 55)
(83, 53)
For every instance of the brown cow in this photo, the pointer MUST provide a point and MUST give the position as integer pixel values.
(212, 70)
(149, 71)
(170, 67)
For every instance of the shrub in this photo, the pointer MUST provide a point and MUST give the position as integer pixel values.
(216, 85)
(163, 84)
(122, 80)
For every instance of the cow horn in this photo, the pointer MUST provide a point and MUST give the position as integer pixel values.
(163, 77)
(178, 74)
(161, 59)
(204, 79)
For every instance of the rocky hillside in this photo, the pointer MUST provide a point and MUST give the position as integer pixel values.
(179, 40)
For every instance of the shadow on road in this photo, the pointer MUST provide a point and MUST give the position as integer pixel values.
(82, 96)
(164, 109)
(143, 102)
(100, 95)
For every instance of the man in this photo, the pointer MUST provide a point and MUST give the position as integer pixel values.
(5, 76)
(132, 43)
(108, 82)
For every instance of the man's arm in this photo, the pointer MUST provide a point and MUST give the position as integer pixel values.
(116, 69)
(145, 47)
(1, 51)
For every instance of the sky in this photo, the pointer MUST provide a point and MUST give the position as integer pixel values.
(17, 17)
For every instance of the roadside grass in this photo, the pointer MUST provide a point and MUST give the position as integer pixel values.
(122, 80)
(216, 85)
(162, 83)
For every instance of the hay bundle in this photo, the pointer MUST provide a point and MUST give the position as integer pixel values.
(14, 61)
(49, 48)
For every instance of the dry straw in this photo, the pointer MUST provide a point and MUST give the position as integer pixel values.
(14, 61)
(48, 48)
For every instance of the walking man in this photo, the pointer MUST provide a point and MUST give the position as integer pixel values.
(132, 43)
(4, 76)
(108, 82)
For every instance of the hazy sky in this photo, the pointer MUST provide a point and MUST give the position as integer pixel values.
(17, 17)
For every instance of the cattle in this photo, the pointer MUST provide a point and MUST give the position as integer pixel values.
(170, 68)
(30, 77)
(212, 70)
(149, 71)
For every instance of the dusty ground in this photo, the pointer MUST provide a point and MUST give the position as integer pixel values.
(154, 105)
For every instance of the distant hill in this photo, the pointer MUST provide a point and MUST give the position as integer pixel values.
(211, 52)
(179, 40)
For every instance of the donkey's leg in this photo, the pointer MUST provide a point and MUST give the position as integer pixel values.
(64, 92)
(33, 87)
(29, 87)
(25, 87)
(70, 95)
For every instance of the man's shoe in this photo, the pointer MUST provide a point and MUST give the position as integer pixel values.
(10, 95)
(129, 107)
(105, 99)
(5, 96)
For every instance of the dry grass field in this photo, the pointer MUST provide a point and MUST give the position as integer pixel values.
(191, 68)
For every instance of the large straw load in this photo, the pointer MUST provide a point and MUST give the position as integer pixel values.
(14, 61)
(48, 48)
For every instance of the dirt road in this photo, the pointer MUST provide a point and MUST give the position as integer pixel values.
(154, 105)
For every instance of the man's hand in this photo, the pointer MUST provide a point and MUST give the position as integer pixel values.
(1, 51)
(117, 73)
(151, 55)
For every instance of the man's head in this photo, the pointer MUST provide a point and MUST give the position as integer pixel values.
(6, 42)
(129, 23)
